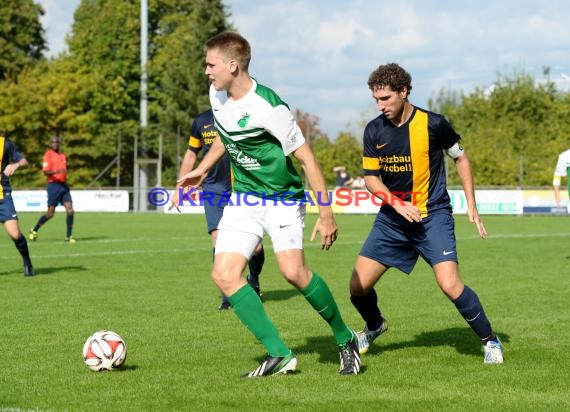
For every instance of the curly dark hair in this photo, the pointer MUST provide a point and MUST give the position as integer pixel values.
(392, 75)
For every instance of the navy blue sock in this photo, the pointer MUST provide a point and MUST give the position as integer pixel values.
(69, 222)
(22, 246)
(367, 306)
(472, 311)
(256, 264)
(41, 221)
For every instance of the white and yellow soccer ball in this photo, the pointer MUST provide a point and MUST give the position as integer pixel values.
(104, 350)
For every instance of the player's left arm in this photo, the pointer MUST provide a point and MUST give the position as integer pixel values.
(463, 166)
(12, 167)
(17, 160)
(326, 224)
(281, 124)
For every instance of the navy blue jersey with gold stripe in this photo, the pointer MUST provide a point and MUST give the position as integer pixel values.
(409, 158)
(202, 136)
(9, 153)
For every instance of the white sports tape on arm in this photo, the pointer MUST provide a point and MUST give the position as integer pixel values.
(455, 151)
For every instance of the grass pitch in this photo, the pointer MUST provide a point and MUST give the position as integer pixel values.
(146, 276)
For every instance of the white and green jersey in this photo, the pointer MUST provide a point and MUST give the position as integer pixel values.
(563, 164)
(259, 132)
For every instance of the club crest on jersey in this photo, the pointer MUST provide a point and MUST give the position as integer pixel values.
(243, 121)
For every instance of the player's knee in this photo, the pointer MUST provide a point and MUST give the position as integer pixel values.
(297, 276)
(452, 288)
(220, 278)
(225, 277)
(356, 286)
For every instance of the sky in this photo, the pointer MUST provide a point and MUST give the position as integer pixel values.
(317, 55)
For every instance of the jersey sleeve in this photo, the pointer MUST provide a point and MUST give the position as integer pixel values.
(562, 164)
(446, 133)
(194, 141)
(281, 124)
(46, 165)
(370, 163)
(13, 153)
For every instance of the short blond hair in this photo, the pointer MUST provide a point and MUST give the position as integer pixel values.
(231, 45)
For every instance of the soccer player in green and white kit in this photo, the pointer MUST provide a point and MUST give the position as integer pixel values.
(562, 169)
(259, 133)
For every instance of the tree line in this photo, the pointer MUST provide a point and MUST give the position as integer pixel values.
(90, 95)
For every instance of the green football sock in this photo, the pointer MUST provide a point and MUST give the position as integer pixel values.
(250, 311)
(320, 297)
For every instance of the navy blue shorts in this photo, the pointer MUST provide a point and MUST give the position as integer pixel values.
(395, 242)
(58, 194)
(7, 209)
(214, 207)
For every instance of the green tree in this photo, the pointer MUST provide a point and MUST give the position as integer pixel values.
(513, 131)
(177, 87)
(62, 98)
(91, 94)
(21, 36)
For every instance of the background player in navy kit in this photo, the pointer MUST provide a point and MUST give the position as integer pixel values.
(10, 160)
(403, 156)
(217, 184)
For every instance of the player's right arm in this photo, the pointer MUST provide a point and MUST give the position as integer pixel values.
(375, 184)
(195, 178)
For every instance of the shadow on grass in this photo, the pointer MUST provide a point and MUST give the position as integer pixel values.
(126, 368)
(277, 295)
(61, 269)
(81, 239)
(90, 238)
(462, 339)
(13, 272)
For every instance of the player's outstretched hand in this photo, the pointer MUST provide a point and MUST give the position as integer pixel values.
(174, 199)
(10, 169)
(328, 229)
(192, 180)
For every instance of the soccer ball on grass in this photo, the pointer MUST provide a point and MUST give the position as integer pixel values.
(104, 350)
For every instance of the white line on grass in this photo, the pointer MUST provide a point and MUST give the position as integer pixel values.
(196, 248)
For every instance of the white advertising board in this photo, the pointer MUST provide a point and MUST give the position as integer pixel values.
(83, 200)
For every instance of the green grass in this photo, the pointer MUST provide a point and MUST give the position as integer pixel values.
(146, 276)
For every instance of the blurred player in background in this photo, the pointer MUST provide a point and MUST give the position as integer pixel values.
(259, 133)
(562, 168)
(343, 179)
(55, 168)
(218, 186)
(11, 160)
(403, 163)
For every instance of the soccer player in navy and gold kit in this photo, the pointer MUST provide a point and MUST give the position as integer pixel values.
(403, 164)
(216, 187)
(10, 160)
